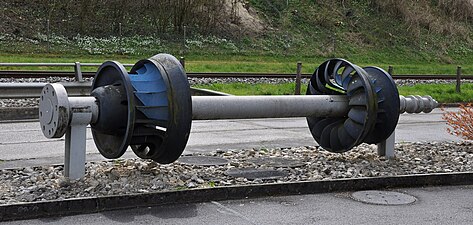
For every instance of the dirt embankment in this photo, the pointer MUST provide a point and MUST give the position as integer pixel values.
(100, 18)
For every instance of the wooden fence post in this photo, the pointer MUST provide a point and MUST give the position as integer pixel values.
(459, 74)
(298, 78)
(390, 70)
(182, 60)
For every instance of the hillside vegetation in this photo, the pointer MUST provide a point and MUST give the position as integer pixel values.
(382, 31)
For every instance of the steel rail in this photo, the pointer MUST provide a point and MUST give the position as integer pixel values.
(43, 74)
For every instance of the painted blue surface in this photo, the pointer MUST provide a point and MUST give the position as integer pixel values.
(151, 91)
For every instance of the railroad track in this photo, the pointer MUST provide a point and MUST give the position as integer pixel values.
(41, 74)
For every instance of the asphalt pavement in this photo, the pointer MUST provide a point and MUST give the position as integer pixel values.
(433, 205)
(23, 144)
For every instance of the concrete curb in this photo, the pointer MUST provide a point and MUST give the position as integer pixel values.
(98, 204)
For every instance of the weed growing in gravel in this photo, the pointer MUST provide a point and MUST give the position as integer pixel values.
(211, 183)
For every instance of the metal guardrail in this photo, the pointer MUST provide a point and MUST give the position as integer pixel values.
(42, 74)
(76, 65)
(80, 88)
(33, 90)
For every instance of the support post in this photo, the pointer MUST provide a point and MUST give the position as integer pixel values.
(84, 111)
(78, 72)
(459, 74)
(386, 148)
(298, 79)
(74, 160)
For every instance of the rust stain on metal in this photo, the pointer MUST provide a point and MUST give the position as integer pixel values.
(63, 117)
(84, 109)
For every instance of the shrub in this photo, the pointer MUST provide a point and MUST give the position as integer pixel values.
(461, 122)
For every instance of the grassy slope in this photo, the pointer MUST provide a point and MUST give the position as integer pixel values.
(305, 30)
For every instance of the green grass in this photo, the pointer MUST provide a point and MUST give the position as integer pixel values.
(443, 93)
(253, 89)
(58, 58)
(232, 63)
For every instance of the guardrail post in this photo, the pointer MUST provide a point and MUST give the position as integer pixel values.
(78, 72)
(298, 78)
(459, 74)
(390, 70)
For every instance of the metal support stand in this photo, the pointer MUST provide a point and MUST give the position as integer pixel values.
(59, 115)
(74, 160)
(386, 148)
(83, 110)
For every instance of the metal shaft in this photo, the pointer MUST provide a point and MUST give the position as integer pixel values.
(245, 107)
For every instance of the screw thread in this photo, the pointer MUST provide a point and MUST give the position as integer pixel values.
(417, 104)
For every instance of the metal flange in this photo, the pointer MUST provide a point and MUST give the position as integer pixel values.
(113, 129)
(388, 103)
(54, 111)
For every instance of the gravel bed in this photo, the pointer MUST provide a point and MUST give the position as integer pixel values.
(40, 80)
(23, 102)
(32, 102)
(411, 82)
(195, 81)
(133, 176)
